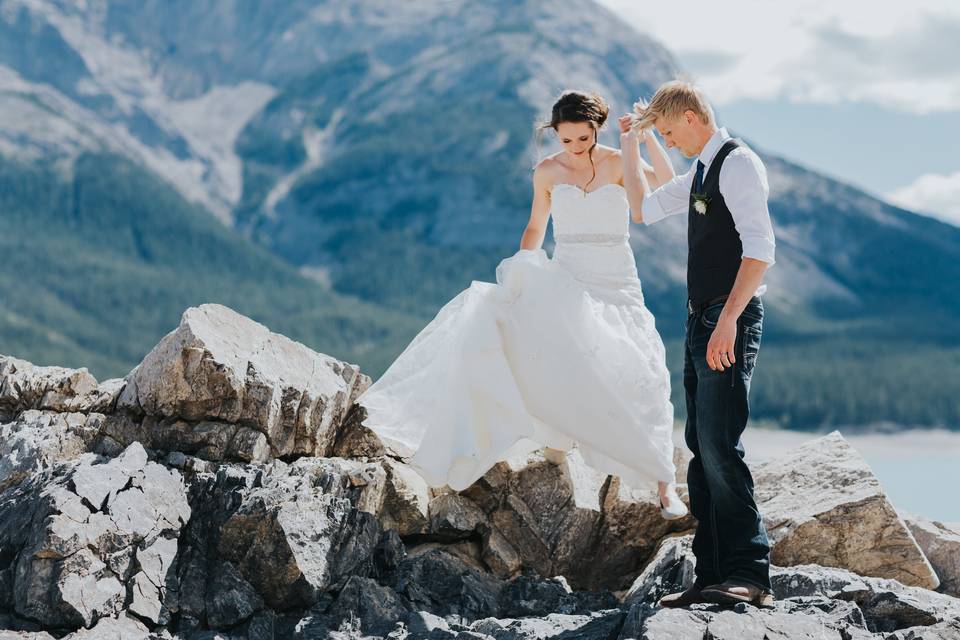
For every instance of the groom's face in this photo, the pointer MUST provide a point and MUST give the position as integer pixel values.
(679, 132)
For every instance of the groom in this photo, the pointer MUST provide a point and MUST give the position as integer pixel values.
(730, 245)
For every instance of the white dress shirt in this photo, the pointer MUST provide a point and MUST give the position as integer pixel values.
(743, 185)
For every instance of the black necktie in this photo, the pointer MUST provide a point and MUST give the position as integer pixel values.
(698, 178)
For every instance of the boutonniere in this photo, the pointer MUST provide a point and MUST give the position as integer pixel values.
(700, 202)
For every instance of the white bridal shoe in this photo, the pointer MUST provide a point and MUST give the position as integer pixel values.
(674, 509)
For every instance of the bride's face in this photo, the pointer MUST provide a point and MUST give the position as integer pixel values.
(576, 137)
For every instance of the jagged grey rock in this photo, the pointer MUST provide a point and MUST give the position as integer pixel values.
(406, 499)
(354, 440)
(291, 530)
(941, 544)
(35, 440)
(219, 365)
(568, 519)
(455, 517)
(823, 505)
(671, 569)
(887, 604)
(70, 536)
(24, 386)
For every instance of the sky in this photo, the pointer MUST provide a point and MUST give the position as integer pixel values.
(866, 94)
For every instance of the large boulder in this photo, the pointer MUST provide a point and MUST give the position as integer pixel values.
(887, 605)
(288, 531)
(24, 385)
(941, 545)
(80, 541)
(568, 519)
(822, 504)
(221, 366)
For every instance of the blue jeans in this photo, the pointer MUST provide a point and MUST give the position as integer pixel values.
(730, 542)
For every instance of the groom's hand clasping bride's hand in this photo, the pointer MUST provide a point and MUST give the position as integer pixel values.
(722, 343)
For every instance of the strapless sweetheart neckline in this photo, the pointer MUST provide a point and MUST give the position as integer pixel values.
(587, 193)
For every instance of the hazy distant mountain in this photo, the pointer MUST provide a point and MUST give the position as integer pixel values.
(385, 149)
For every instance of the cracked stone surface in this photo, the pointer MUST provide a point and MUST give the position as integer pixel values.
(222, 366)
(822, 504)
(24, 386)
(70, 535)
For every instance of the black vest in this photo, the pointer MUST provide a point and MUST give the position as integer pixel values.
(713, 244)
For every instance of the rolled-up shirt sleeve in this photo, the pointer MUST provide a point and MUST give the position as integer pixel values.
(670, 199)
(743, 184)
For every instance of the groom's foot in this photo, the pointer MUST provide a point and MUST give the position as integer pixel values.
(734, 592)
(682, 599)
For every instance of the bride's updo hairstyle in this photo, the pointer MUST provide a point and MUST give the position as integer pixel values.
(578, 106)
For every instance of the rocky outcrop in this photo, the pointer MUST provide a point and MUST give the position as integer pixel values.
(823, 505)
(26, 386)
(219, 366)
(90, 538)
(941, 544)
(232, 491)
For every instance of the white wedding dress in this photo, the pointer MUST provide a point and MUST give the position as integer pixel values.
(560, 352)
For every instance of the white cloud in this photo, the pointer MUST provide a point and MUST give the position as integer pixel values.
(934, 194)
(901, 55)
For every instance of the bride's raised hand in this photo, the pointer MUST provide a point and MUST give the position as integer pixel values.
(627, 129)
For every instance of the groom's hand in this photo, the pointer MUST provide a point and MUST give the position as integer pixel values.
(720, 349)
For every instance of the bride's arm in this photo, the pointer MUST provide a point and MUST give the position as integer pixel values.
(539, 211)
(634, 177)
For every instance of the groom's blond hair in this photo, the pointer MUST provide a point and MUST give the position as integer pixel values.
(672, 100)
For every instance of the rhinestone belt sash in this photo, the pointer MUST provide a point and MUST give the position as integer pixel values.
(592, 238)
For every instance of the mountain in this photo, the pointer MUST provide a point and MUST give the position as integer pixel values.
(385, 149)
(100, 264)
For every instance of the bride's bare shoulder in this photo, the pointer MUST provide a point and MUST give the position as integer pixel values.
(547, 169)
(607, 153)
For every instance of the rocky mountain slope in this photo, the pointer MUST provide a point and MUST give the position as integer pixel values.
(228, 488)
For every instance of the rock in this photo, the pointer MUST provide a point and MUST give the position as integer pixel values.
(940, 631)
(941, 545)
(406, 499)
(454, 517)
(229, 599)
(377, 608)
(354, 440)
(531, 595)
(443, 584)
(36, 440)
(887, 604)
(597, 624)
(292, 531)
(498, 554)
(68, 538)
(823, 505)
(26, 386)
(671, 569)
(567, 519)
(207, 439)
(219, 365)
(632, 530)
(116, 628)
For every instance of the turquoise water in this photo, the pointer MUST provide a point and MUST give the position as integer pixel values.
(923, 485)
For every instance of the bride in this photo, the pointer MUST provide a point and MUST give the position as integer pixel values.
(561, 352)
